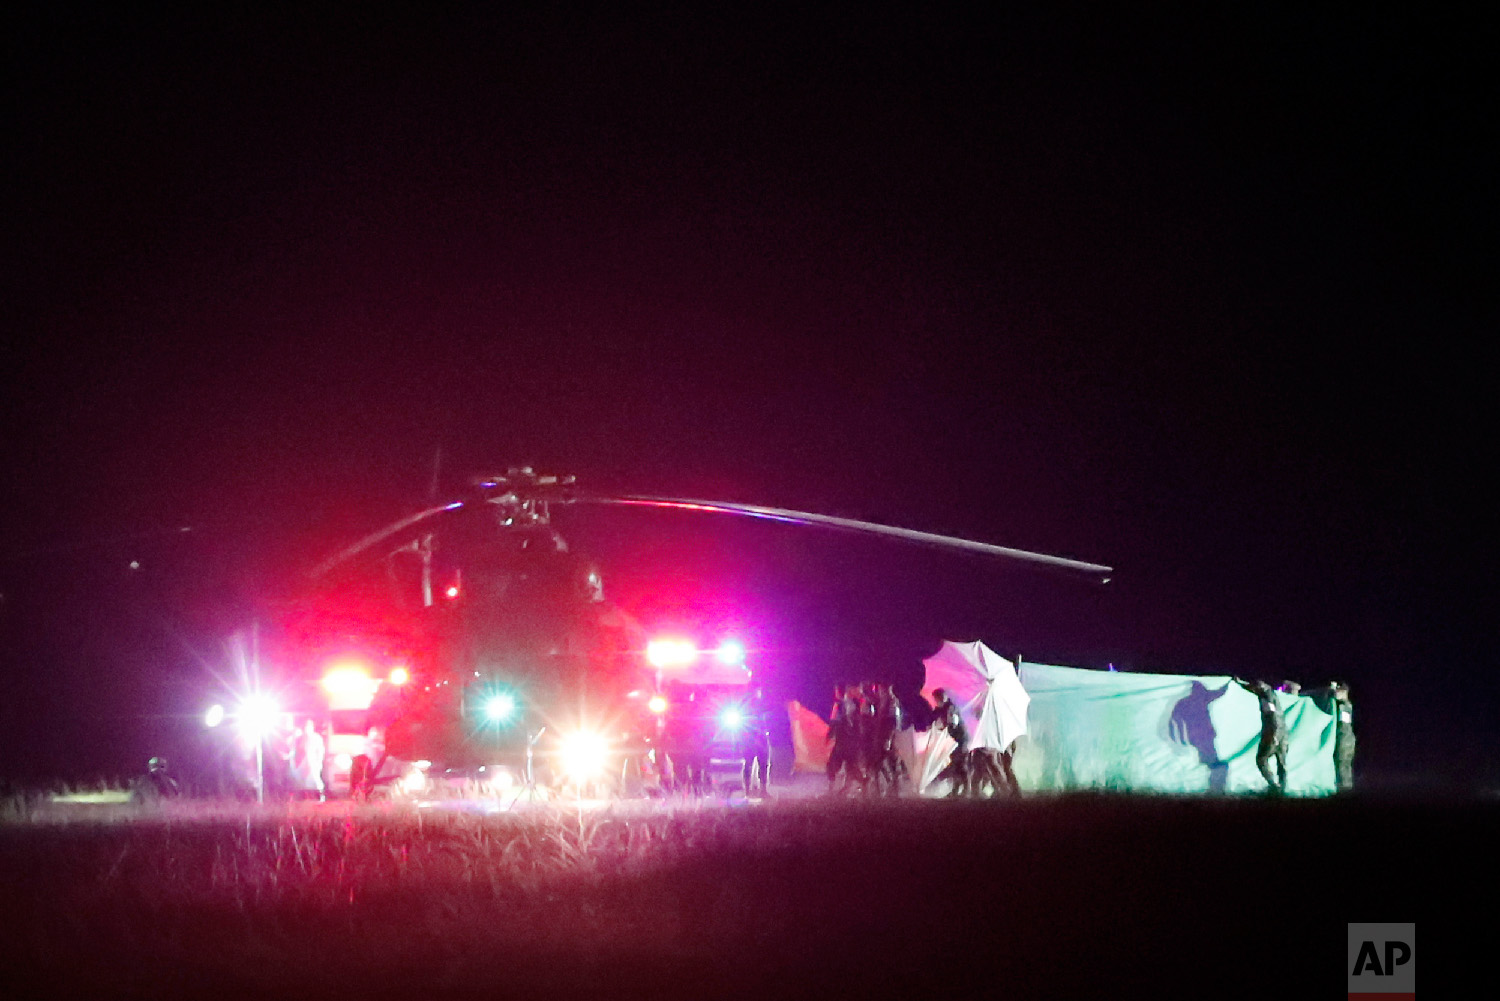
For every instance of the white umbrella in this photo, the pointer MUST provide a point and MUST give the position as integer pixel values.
(987, 691)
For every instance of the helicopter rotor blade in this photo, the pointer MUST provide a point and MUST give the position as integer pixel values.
(850, 524)
(376, 537)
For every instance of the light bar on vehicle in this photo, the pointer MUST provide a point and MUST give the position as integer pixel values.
(671, 652)
(349, 686)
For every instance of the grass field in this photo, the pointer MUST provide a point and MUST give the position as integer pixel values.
(1063, 897)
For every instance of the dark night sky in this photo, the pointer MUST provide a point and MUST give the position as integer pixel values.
(1204, 299)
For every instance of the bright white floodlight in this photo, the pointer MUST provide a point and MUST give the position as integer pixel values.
(214, 716)
(584, 755)
(257, 715)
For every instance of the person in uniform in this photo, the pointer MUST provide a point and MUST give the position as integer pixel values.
(156, 784)
(889, 721)
(867, 728)
(950, 718)
(990, 768)
(1343, 737)
(1273, 732)
(843, 730)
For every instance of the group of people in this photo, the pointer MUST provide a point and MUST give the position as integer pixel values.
(295, 766)
(863, 725)
(865, 719)
(1274, 733)
(973, 770)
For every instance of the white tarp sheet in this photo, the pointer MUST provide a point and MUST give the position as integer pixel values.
(1161, 733)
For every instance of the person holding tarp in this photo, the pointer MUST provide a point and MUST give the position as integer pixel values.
(1343, 737)
(1273, 730)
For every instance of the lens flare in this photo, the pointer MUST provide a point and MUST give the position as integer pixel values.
(499, 708)
(257, 716)
(584, 755)
(349, 686)
(671, 652)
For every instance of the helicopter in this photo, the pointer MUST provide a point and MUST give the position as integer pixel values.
(468, 639)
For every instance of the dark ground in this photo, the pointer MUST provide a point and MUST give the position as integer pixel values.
(1068, 897)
